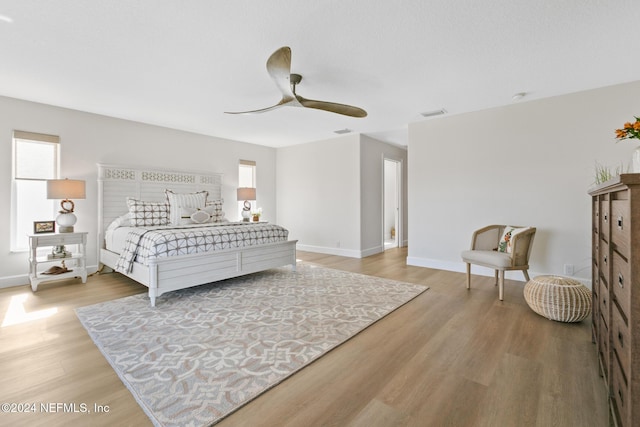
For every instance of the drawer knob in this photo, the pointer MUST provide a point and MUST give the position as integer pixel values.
(620, 280)
(620, 339)
(619, 223)
(605, 259)
(606, 217)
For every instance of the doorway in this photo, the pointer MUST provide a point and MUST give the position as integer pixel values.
(391, 213)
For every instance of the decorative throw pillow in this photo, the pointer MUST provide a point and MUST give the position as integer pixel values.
(177, 201)
(147, 213)
(504, 245)
(217, 214)
(200, 217)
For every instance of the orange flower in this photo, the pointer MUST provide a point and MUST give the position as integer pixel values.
(629, 130)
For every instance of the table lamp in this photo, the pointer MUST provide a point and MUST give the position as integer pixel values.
(246, 194)
(65, 190)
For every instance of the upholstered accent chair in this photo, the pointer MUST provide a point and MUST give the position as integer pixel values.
(502, 248)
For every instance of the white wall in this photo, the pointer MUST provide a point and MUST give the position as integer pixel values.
(330, 193)
(88, 139)
(319, 193)
(530, 163)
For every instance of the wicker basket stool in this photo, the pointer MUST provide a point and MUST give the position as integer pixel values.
(558, 298)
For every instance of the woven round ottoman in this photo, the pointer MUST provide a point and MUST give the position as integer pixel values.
(558, 298)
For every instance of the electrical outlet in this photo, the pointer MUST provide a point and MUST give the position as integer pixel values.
(568, 269)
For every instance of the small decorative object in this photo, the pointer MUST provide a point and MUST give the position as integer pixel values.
(56, 269)
(246, 194)
(44, 227)
(631, 131)
(256, 214)
(59, 251)
(558, 298)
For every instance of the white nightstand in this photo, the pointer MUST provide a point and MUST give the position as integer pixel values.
(77, 262)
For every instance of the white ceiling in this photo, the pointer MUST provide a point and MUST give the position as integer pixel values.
(181, 64)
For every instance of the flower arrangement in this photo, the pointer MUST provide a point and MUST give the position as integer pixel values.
(629, 131)
(256, 214)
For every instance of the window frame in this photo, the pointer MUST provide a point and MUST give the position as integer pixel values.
(16, 244)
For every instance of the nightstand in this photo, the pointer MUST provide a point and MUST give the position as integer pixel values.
(77, 261)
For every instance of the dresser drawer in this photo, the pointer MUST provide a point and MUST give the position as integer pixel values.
(604, 300)
(605, 219)
(596, 219)
(604, 258)
(621, 283)
(620, 226)
(620, 339)
(620, 395)
(603, 349)
(595, 302)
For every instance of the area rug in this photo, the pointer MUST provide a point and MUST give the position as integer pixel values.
(204, 352)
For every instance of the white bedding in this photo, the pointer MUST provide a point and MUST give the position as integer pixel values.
(145, 243)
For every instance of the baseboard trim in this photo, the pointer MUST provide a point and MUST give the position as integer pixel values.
(23, 279)
(461, 267)
(350, 253)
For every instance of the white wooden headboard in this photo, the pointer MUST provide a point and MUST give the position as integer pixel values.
(117, 182)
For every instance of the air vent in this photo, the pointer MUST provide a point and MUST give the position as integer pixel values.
(434, 113)
(342, 131)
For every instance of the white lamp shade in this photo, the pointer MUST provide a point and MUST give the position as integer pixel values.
(246, 193)
(66, 189)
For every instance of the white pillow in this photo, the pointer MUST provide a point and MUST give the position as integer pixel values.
(504, 245)
(177, 201)
(121, 221)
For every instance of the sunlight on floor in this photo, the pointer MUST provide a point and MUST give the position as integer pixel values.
(16, 313)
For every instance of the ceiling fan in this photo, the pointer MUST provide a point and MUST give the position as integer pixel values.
(279, 68)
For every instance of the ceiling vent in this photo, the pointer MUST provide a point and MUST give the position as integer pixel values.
(342, 131)
(433, 113)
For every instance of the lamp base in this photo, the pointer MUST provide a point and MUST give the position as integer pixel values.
(66, 221)
(246, 215)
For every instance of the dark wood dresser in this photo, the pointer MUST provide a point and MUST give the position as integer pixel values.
(616, 293)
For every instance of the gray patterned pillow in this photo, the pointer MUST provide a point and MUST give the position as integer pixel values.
(144, 214)
(217, 215)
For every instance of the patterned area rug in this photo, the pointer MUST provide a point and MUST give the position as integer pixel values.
(204, 352)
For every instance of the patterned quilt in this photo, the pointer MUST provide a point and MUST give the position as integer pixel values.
(144, 243)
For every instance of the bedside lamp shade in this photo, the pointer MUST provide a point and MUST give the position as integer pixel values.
(246, 194)
(65, 190)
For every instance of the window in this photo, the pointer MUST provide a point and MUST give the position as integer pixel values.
(246, 178)
(35, 160)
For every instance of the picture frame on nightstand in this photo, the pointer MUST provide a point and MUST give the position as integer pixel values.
(41, 227)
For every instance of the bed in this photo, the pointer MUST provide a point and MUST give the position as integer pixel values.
(254, 248)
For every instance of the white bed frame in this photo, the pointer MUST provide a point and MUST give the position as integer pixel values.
(116, 183)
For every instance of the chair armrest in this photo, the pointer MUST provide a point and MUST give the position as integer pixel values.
(521, 245)
(486, 238)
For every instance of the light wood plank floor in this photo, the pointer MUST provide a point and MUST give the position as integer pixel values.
(450, 357)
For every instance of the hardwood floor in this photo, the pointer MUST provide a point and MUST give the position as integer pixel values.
(450, 357)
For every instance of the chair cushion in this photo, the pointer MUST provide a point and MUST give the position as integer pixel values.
(504, 245)
(492, 259)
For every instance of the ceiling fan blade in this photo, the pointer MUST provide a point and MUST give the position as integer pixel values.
(332, 107)
(282, 103)
(279, 68)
